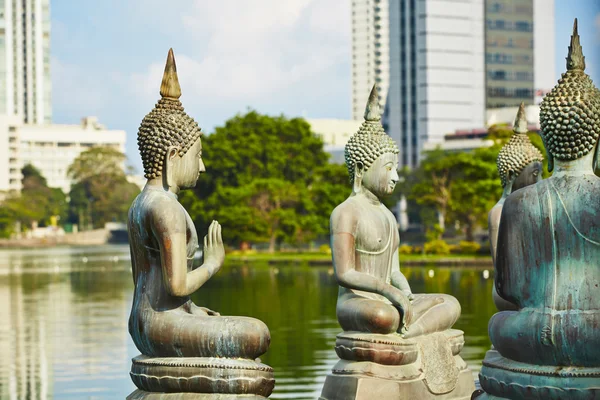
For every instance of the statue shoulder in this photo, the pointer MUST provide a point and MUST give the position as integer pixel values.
(344, 217)
(161, 207)
(522, 202)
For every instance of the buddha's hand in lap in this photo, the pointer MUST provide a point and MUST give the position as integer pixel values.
(203, 311)
(214, 252)
(402, 302)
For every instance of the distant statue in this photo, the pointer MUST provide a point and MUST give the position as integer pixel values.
(384, 322)
(185, 348)
(547, 258)
(519, 165)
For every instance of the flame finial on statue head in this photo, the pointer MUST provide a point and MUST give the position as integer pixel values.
(520, 125)
(575, 58)
(372, 112)
(170, 83)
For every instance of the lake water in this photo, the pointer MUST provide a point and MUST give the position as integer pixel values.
(64, 312)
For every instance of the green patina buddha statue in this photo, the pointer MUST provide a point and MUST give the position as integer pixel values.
(547, 258)
(389, 332)
(519, 165)
(185, 348)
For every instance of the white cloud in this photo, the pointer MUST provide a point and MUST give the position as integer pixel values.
(275, 56)
(251, 50)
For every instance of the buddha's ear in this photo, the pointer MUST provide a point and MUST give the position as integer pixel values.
(358, 174)
(359, 168)
(170, 155)
(595, 162)
(548, 154)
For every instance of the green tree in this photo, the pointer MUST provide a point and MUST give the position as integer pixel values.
(101, 192)
(268, 180)
(460, 186)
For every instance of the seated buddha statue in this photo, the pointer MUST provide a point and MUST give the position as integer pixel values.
(384, 322)
(519, 165)
(165, 325)
(547, 258)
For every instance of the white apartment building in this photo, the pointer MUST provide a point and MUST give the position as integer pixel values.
(370, 52)
(25, 82)
(10, 162)
(49, 148)
(335, 134)
(437, 72)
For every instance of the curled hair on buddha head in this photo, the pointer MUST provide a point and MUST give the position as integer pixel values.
(570, 113)
(166, 125)
(371, 141)
(518, 153)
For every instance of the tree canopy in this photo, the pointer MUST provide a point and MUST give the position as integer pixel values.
(461, 186)
(101, 192)
(268, 180)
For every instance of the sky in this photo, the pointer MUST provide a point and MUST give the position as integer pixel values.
(273, 56)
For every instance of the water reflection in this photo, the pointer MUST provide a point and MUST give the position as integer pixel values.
(63, 325)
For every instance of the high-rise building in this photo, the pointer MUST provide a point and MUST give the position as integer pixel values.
(451, 60)
(370, 52)
(25, 82)
(436, 72)
(519, 52)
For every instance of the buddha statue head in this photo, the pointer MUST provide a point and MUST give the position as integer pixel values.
(519, 161)
(570, 113)
(371, 155)
(169, 139)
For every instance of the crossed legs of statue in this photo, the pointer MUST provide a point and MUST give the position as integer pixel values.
(431, 313)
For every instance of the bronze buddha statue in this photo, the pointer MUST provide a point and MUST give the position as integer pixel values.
(179, 341)
(384, 323)
(519, 165)
(547, 258)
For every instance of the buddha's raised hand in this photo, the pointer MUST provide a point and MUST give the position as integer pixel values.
(214, 252)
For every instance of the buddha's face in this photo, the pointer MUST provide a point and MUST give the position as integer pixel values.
(187, 169)
(381, 177)
(531, 174)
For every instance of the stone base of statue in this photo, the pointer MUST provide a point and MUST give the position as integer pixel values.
(382, 367)
(502, 378)
(187, 378)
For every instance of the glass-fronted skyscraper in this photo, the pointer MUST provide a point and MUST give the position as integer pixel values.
(25, 81)
(436, 72)
(509, 53)
(451, 60)
(519, 51)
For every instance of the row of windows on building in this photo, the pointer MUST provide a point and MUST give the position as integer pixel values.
(509, 42)
(501, 75)
(502, 58)
(501, 24)
(518, 93)
(508, 7)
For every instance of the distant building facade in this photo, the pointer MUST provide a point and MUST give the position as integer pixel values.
(335, 134)
(436, 72)
(370, 52)
(49, 148)
(25, 81)
(471, 139)
(519, 52)
(451, 61)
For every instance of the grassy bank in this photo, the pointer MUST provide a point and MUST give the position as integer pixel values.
(318, 258)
